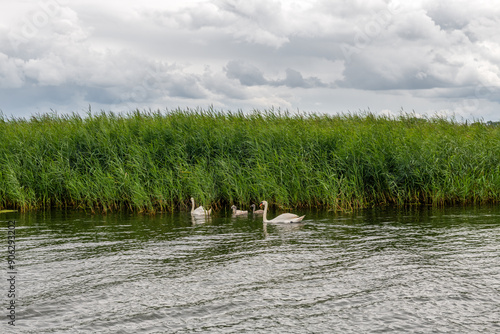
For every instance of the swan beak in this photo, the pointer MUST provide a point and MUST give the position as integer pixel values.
(260, 205)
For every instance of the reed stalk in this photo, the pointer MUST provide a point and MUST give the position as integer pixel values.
(149, 161)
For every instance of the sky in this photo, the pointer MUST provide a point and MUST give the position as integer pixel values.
(437, 57)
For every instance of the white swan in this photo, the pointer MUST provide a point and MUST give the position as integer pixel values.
(237, 212)
(256, 212)
(199, 210)
(283, 218)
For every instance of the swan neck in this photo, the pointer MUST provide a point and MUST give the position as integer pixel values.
(264, 216)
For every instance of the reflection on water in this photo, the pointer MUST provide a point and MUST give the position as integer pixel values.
(420, 270)
(200, 219)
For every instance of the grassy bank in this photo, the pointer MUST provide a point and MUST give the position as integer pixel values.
(153, 161)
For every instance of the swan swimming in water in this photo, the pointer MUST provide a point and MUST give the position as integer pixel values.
(237, 212)
(283, 218)
(199, 210)
(256, 212)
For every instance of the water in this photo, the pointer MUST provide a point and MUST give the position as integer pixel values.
(421, 270)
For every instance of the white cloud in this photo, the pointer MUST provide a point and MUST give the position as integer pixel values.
(11, 75)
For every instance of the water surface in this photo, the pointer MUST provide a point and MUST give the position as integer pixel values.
(421, 270)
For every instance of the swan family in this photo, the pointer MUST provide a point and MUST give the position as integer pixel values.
(283, 218)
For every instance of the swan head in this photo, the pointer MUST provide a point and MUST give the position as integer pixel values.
(252, 206)
(262, 203)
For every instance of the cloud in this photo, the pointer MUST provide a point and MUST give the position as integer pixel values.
(250, 75)
(439, 53)
(11, 75)
(294, 79)
(247, 74)
(243, 21)
(218, 83)
(414, 51)
(461, 15)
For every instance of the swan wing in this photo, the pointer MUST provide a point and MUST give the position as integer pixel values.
(201, 211)
(287, 218)
(297, 220)
(198, 213)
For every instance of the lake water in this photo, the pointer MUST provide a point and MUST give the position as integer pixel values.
(422, 270)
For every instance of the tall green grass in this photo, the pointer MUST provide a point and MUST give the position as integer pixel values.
(153, 161)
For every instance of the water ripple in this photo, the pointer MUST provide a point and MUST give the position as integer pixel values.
(376, 271)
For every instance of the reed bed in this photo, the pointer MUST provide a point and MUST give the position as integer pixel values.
(150, 161)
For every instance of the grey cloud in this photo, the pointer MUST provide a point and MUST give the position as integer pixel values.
(154, 86)
(197, 17)
(220, 85)
(254, 22)
(367, 75)
(314, 47)
(262, 11)
(186, 86)
(30, 98)
(247, 74)
(104, 77)
(351, 8)
(294, 79)
(455, 15)
(109, 95)
(421, 49)
(416, 27)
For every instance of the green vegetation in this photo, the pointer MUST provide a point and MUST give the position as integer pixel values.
(153, 161)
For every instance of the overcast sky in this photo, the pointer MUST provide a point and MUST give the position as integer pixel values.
(327, 56)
